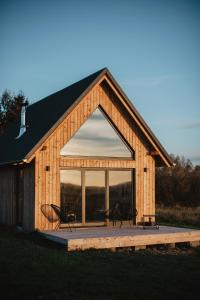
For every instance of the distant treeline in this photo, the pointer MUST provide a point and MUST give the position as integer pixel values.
(179, 184)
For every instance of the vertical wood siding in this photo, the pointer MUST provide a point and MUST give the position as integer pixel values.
(47, 183)
(29, 196)
(7, 196)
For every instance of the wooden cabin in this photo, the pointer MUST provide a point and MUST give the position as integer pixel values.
(85, 146)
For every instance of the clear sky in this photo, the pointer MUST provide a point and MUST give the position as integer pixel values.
(152, 48)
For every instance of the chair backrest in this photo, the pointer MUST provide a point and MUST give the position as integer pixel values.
(63, 215)
(115, 212)
(49, 212)
(56, 209)
(59, 212)
(123, 210)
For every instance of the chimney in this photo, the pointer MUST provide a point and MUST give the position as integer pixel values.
(23, 120)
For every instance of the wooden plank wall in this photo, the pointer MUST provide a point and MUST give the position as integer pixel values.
(47, 183)
(29, 196)
(7, 195)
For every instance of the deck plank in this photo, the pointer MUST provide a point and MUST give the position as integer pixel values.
(109, 237)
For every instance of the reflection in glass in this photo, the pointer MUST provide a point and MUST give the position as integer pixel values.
(95, 194)
(120, 192)
(71, 192)
(96, 137)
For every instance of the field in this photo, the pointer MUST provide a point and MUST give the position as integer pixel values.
(33, 268)
(179, 216)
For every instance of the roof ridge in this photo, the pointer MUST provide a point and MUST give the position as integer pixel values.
(44, 115)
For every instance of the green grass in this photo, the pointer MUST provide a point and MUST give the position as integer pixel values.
(33, 268)
(179, 216)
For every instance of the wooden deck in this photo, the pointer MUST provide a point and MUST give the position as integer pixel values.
(114, 237)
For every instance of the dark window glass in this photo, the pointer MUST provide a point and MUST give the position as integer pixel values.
(96, 137)
(120, 192)
(94, 194)
(71, 192)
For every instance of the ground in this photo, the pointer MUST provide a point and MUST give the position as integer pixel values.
(33, 268)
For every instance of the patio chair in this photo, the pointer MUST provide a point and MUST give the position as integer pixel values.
(54, 213)
(132, 214)
(115, 214)
(64, 217)
(123, 212)
(119, 213)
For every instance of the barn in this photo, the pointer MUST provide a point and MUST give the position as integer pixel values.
(84, 148)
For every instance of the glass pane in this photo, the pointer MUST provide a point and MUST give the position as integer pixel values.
(120, 192)
(71, 192)
(95, 195)
(96, 137)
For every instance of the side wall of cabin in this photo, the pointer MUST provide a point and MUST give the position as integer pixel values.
(29, 196)
(47, 180)
(8, 195)
(17, 195)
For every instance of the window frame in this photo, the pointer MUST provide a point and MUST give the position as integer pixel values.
(129, 148)
(107, 201)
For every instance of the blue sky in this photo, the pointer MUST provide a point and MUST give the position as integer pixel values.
(151, 47)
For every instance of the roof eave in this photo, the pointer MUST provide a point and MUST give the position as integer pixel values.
(168, 162)
(11, 163)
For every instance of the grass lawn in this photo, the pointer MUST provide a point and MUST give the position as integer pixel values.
(33, 268)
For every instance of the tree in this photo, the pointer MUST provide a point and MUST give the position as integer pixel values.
(179, 184)
(10, 108)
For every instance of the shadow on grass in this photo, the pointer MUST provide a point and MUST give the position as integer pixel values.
(34, 238)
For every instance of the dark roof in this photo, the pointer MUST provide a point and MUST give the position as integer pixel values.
(40, 117)
(44, 114)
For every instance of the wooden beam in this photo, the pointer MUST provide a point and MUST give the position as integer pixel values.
(153, 153)
(107, 194)
(83, 195)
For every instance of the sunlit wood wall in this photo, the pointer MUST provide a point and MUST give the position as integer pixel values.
(47, 183)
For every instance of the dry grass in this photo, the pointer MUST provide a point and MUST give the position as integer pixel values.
(177, 215)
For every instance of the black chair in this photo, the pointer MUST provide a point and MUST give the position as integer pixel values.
(49, 213)
(132, 214)
(122, 212)
(64, 216)
(115, 214)
(54, 213)
(118, 213)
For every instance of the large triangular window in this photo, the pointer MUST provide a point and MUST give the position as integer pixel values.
(96, 137)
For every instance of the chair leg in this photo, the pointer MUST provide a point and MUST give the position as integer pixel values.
(121, 223)
(57, 225)
(69, 227)
(131, 222)
(74, 226)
